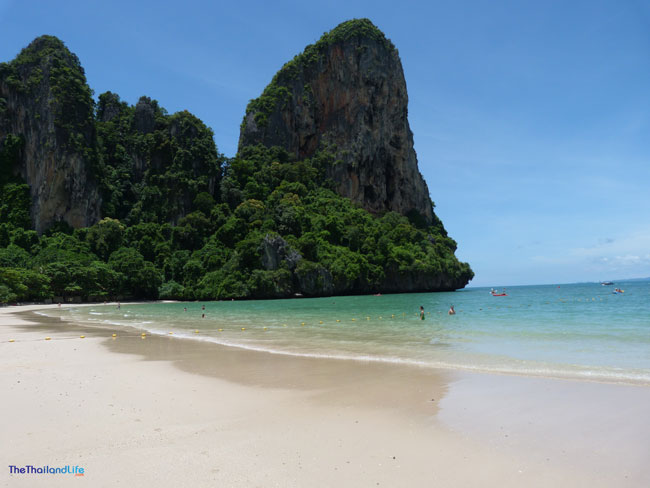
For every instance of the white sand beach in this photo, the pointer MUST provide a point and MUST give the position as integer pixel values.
(169, 412)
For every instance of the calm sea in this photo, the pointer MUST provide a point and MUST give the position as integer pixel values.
(581, 331)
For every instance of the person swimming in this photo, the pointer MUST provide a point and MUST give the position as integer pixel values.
(451, 310)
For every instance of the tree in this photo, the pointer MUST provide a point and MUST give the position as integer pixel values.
(105, 237)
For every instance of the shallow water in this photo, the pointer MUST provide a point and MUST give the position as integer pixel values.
(580, 331)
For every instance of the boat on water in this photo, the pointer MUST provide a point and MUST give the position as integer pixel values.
(495, 293)
(606, 283)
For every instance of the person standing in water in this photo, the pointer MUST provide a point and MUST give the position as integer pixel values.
(451, 310)
(421, 312)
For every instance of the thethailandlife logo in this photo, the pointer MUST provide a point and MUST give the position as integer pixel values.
(30, 469)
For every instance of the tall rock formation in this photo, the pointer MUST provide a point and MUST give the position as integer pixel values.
(46, 103)
(346, 94)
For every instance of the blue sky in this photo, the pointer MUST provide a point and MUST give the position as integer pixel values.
(531, 120)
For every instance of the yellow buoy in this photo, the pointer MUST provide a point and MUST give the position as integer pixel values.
(265, 328)
(320, 322)
(337, 320)
(114, 335)
(354, 320)
(170, 333)
(82, 337)
(393, 315)
(243, 328)
(47, 338)
(220, 330)
(196, 331)
(11, 340)
(302, 323)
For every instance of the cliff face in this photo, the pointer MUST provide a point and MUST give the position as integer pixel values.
(346, 94)
(45, 101)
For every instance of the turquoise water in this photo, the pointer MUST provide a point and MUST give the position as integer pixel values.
(581, 331)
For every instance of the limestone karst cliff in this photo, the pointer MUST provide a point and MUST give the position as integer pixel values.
(46, 105)
(346, 94)
(324, 196)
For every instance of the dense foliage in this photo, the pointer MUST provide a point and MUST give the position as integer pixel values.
(182, 221)
(151, 164)
(215, 251)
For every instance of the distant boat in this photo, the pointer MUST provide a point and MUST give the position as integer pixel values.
(607, 283)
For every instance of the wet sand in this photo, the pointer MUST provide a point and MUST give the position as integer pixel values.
(163, 411)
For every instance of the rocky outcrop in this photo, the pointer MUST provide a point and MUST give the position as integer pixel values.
(46, 102)
(274, 249)
(144, 118)
(311, 279)
(346, 94)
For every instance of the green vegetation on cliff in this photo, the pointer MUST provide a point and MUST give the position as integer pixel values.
(46, 61)
(216, 251)
(151, 164)
(182, 221)
(277, 92)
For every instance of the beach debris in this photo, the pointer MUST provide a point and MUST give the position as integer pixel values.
(171, 333)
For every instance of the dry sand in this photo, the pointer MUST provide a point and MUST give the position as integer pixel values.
(165, 412)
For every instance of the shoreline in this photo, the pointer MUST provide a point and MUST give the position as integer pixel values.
(552, 371)
(297, 420)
